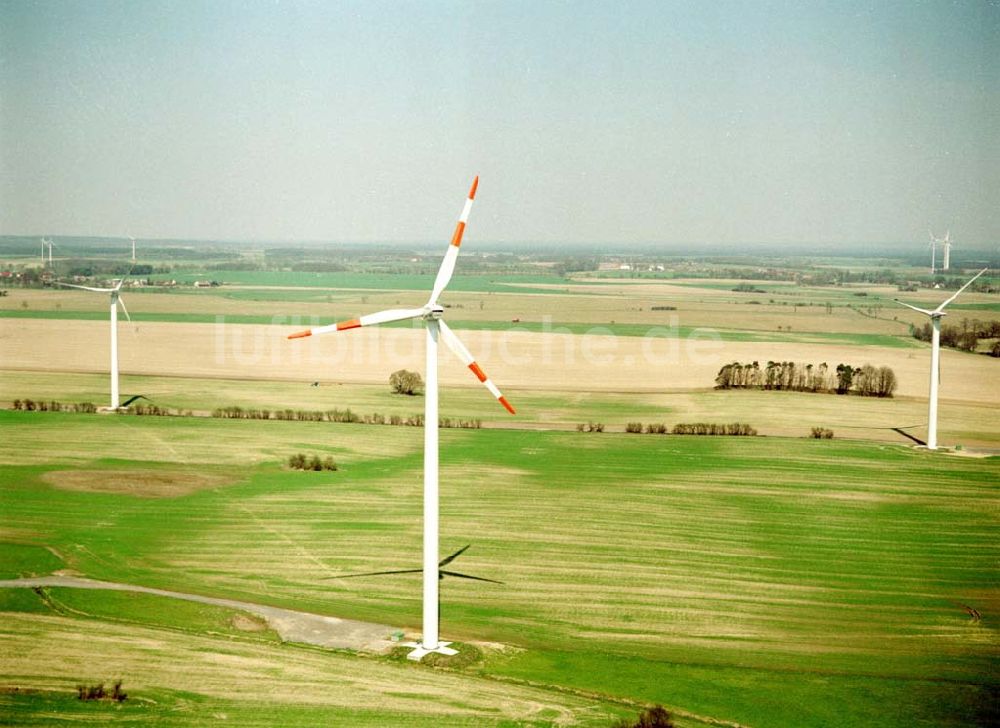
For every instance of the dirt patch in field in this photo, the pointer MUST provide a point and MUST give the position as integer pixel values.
(246, 623)
(139, 483)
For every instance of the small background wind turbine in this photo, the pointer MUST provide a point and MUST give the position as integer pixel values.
(945, 244)
(116, 301)
(933, 247)
(935, 317)
(46, 241)
(431, 314)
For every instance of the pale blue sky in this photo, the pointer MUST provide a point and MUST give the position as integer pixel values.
(722, 122)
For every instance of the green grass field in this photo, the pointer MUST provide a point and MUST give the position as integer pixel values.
(766, 582)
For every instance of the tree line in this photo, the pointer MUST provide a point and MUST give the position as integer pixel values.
(253, 413)
(867, 380)
(732, 429)
(964, 335)
(30, 405)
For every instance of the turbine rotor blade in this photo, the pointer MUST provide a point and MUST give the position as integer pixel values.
(448, 264)
(448, 559)
(921, 310)
(124, 310)
(85, 288)
(453, 343)
(941, 307)
(372, 319)
(466, 576)
(374, 573)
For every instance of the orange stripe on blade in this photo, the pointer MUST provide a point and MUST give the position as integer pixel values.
(352, 324)
(300, 334)
(506, 404)
(456, 239)
(477, 371)
(475, 184)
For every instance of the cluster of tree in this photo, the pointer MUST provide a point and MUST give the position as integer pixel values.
(149, 409)
(301, 462)
(965, 335)
(575, 264)
(747, 288)
(734, 429)
(29, 405)
(473, 424)
(404, 381)
(663, 308)
(97, 692)
(868, 381)
(655, 717)
(590, 427)
(821, 433)
(333, 415)
(88, 269)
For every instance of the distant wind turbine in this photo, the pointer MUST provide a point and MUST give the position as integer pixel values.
(431, 315)
(935, 317)
(116, 300)
(945, 244)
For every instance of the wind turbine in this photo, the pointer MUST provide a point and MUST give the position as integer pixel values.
(133, 247)
(116, 301)
(935, 316)
(945, 244)
(431, 314)
(933, 247)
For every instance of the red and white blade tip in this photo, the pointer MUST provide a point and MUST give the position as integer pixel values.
(300, 334)
(472, 190)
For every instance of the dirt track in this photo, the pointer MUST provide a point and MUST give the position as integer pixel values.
(292, 626)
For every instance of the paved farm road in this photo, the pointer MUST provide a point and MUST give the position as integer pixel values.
(293, 626)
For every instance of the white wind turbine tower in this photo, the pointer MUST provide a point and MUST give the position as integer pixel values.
(116, 301)
(133, 247)
(945, 244)
(946, 251)
(933, 247)
(431, 315)
(935, 316)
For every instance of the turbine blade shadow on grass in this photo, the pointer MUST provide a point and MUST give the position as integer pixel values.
(908, 436)
(441, 572)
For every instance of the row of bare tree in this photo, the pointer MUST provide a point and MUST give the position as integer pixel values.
(867, 380)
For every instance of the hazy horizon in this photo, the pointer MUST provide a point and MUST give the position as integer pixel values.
(590, 124)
